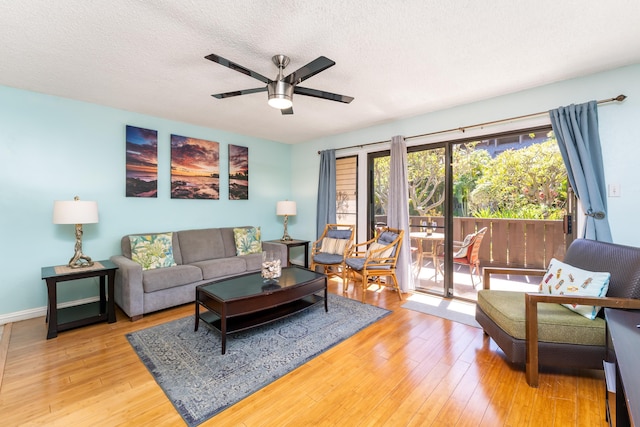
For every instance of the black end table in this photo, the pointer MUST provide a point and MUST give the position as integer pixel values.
(292, 244)
(61, 319)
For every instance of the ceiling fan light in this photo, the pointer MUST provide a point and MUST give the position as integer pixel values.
(280, 103)
(280, 94)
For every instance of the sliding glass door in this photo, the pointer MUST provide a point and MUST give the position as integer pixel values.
(426, 168)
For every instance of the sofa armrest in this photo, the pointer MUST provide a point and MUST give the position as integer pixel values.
(531, 321)
(279, 250)
(488, 271)
(128, 286)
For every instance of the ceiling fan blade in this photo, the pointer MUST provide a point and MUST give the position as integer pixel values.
(239, 68)
(309, 70)
(322, 94)
(239, 92)
(287, 111)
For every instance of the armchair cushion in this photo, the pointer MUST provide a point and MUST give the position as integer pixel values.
(556, 323)
(565, 279)
(339, 234)
(387, 237)
(324, 258)
(357, 264)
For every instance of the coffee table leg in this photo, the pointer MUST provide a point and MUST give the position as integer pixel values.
(326, 306)
(223, 332)
(197, 316)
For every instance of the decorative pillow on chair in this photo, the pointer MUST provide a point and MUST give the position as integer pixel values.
(564, 279)
(377, 246)
(333, 246)
(247, 240)
(464, 248)
(153, 250)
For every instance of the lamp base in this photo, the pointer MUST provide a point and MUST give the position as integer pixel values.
(285, 236)
(79, 260)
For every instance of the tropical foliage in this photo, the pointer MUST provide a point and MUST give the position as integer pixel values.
(529, 182)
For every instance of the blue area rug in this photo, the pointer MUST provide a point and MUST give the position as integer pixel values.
(200, 382)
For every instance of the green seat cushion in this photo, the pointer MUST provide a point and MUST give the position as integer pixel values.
(556, 323)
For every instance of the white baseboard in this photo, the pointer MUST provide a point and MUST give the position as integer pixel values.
(40, 311)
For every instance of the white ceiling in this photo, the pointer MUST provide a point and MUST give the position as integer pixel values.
(397, 58)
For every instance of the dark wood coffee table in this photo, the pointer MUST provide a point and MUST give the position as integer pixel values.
(243, 302)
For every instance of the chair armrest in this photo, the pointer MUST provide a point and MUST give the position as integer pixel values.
(531, 321)
(488, 271)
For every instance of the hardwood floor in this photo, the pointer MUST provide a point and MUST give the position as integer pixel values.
(409, 369)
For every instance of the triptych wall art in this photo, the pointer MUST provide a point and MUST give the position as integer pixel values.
(195, 167)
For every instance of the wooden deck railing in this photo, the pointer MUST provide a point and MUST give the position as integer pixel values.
(509, 242)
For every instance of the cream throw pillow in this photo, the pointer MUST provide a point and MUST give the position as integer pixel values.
(333, 246)
(377, 246)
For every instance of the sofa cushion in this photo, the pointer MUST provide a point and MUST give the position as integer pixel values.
(253, 261)
(215, 268)
(555, 322)
(247, 240)
(164, 278)
(199, 245)
(565, 279)
(152, 251)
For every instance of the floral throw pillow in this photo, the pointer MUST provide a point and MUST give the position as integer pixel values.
(247, 240)
(153, 250)
(564, 279)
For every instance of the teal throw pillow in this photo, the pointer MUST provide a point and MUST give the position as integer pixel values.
(153, 250)
(247, 240)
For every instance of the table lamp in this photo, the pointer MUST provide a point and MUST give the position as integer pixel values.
(286, 208)
(76, 212)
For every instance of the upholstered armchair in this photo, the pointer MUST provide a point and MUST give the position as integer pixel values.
(374, 259)
(540, 328)
(331, 249)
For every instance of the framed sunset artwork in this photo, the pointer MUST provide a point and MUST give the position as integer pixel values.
(141, 162)
(238, 172)
(195, 168)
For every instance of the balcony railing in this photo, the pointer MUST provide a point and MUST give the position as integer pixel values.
(508, 242)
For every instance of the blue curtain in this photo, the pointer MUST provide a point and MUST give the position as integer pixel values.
(398, 209)
(576, 130)
(326, 206)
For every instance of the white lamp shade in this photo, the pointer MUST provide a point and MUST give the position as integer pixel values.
(286, 208)
(75, 212)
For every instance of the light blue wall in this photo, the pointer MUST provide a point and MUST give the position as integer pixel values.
(54, 149)
(619, 137)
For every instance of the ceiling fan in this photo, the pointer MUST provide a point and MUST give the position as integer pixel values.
(281, 89)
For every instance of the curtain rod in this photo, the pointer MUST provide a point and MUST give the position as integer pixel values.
(618, 98)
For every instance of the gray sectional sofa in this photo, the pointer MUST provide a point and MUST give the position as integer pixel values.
(200, 255)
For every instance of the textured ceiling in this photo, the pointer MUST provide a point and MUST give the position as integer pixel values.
(397, 59)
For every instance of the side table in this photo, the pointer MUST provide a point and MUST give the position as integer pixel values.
(292, 244)
(83, 314)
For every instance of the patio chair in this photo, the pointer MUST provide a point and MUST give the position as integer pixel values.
(331, 249)
(466, 253)
(374, 259)
(533, 332)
